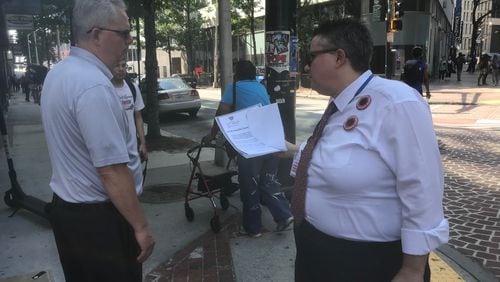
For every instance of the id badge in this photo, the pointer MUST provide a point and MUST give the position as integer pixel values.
(296, 159)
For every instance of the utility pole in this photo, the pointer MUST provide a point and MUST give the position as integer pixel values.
(36, 48)
(280, 52)
(29, 48)
(216, 49)
(226, 61)
(390, 39)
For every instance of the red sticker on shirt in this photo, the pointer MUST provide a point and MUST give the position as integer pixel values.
(363, 102)
(351, 123)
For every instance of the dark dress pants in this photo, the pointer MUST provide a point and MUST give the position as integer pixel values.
(95, 243)
(321, 257)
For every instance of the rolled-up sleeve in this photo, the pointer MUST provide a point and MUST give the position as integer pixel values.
(409, 146)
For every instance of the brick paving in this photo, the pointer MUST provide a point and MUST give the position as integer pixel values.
(471, 160)
(208, 258)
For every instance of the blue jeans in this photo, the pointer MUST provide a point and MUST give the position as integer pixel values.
(259, 184)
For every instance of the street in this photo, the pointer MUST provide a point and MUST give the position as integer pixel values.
(308, 113)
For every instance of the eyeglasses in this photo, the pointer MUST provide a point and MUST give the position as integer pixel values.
(312, 55)
(125, 34)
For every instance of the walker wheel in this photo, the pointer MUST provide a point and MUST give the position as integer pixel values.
(188, 211)
(8, 199)
(224, 202)
(215, 224)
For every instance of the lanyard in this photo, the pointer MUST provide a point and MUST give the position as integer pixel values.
(362, 87)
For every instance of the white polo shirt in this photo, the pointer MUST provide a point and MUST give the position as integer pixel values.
(382, 179)
(85, 128)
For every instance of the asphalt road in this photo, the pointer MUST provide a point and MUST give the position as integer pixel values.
(308, 113)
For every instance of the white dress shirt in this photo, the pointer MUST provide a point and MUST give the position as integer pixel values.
(383, 179)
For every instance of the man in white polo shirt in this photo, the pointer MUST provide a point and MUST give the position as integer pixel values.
(100, 229)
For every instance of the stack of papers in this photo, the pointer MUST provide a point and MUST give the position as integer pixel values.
(254, 131)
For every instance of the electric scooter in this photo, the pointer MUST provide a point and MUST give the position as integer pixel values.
(15, 196)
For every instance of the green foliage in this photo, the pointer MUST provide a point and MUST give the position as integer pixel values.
(310, 16)
(180, 20)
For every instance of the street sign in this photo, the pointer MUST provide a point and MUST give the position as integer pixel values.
(19, 21)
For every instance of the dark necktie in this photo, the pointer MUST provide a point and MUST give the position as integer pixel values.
(299, 191)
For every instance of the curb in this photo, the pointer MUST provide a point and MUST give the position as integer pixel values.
(465, 266)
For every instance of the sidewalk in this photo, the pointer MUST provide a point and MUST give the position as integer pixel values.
(189, 250)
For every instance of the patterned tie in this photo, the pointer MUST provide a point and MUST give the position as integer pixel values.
(299, 191)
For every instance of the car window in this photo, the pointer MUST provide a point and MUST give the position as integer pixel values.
(171, 84)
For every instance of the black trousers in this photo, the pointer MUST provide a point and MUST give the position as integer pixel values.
(95, 243)
(321, 257)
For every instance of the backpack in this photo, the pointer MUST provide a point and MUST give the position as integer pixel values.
(413, 72)
(132, 87)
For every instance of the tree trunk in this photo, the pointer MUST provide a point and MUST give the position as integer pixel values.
(475, 27)
(189, 49)
(151, 70)
(252, 31)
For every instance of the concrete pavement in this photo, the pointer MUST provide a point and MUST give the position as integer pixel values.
(190, 251)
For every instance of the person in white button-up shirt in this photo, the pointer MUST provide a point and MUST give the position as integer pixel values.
(373, 205)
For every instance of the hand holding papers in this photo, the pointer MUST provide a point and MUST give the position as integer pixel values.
(254, 131)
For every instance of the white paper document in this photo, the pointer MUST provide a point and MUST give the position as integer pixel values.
(254, 131)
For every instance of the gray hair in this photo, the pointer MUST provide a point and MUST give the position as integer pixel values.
(88, 14)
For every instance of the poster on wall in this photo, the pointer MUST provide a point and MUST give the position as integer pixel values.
(278, 50)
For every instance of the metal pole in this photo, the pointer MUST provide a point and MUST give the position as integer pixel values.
(280, 34)
(29, 48)
(216, 50)
(138, 42)
(36, 48)
(58, 44)
(226, 60)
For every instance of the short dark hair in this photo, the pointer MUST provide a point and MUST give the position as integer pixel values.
(417, 52)
(350, 35)
(244, 70)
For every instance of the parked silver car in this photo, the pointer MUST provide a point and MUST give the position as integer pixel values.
(174, 95)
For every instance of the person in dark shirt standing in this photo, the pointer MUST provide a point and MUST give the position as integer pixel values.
(416, 72)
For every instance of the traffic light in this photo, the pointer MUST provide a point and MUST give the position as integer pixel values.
(395, 25)
(398, 9)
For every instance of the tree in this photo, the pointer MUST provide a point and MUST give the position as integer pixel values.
(54, 18)
(149, 7)
(244, 25)
(181, 20)
(478, 20)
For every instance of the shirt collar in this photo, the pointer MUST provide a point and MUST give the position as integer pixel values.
(91, 58)
(343, 99)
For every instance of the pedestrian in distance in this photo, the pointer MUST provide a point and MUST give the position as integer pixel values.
(257, 177)
(484, 67)
(415, 72)
(472, 64)
(100, 229)
(451, 66)
(460, 61)
(25, 85)
(368, 192)
(443, 67)
(495, 68)
(132, 103)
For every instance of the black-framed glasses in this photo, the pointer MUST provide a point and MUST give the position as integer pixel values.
(312, 55)
(125, 34)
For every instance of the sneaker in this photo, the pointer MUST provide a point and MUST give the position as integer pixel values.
(284, 224)
(243, 232)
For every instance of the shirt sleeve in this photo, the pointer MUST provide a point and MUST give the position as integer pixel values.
(227, 97)
(102, 124)
(409, 146)
(139, 103)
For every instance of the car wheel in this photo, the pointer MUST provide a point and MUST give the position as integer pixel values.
(193, 113)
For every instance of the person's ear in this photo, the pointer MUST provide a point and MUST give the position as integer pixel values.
(341, 57)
